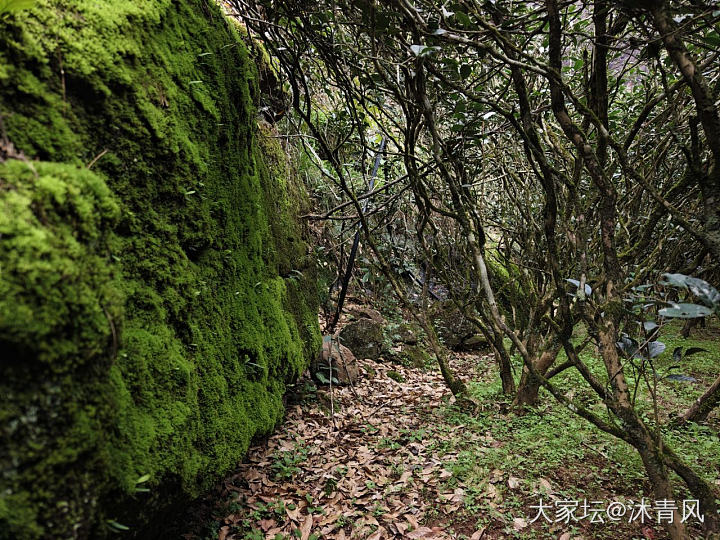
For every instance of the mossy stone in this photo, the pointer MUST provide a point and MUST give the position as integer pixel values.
(152, 307)
(364, 338)
(415, 356)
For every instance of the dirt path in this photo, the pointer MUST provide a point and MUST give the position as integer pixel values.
(376, 473)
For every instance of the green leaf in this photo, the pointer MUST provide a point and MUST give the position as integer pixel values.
(678, 352)
(649, 326)
(144, 478)
(459, 107)
(423, 50)
(463, 19)
(674, 280)
(712, 39)
(115, 526)
(417, 50)
(685, 311)
(627, 345)
(707, 294)
(655, 348)
(587, 288)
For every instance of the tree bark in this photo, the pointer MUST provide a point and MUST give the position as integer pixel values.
(527, 394)
(700, 489)
(618, 399)
(704, 405)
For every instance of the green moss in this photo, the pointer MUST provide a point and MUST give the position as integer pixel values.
(50, 214)
(152, 308)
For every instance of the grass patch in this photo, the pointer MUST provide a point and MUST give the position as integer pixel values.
(506, 462)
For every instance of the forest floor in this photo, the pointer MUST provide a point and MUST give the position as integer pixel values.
(394, 457)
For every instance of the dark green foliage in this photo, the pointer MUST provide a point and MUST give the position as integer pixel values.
(152, 308)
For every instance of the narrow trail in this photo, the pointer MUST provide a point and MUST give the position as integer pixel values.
(378, 472)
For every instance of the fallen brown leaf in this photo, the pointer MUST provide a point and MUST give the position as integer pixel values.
(421, 532)
(306, 527)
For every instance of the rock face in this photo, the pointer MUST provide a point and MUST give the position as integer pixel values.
(338, 358)
(154, 305)
(364, 338)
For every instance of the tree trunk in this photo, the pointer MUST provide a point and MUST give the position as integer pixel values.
(639, 436)
(527, 394)
(504, 366)
(699, 488)
(657, 472)
(707, 113)
(456, 386)
(703, 405)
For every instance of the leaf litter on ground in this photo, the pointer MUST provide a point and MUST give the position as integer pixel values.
(374, 475)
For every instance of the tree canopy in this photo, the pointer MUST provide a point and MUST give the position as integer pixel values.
(550, 161)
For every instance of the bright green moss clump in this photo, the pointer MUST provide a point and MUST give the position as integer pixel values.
(152, 307)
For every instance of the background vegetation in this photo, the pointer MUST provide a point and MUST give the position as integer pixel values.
(553, 166)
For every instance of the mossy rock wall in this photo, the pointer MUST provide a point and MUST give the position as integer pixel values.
(154, 285)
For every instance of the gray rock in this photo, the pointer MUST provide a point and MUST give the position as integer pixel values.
(343, 362)
(475, 342)
(364, 338)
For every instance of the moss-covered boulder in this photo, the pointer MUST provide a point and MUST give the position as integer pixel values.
(414, 355)
(154, 285)
(364, 337)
